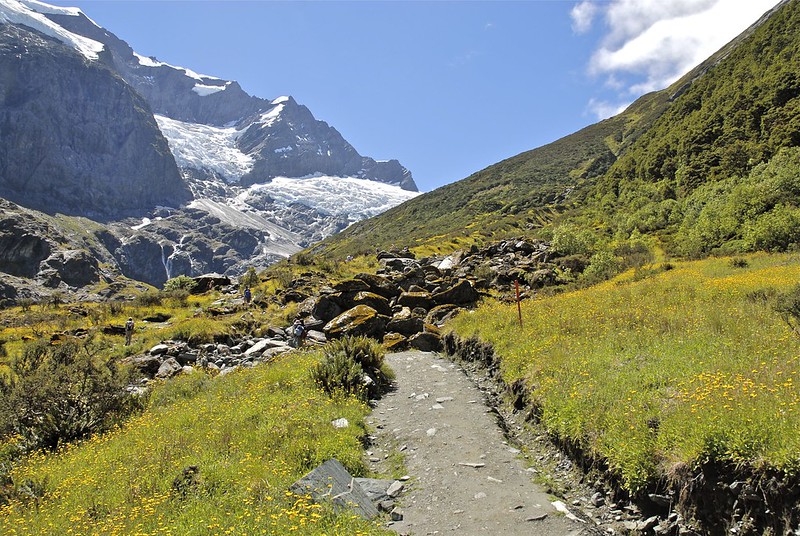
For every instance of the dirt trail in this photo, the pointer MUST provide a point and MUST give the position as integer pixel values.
(465, 477)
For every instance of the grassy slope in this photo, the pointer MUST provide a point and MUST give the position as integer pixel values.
(251, 434)
(685, 366)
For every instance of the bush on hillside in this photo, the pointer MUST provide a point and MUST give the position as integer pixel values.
(182, 282)
(249, 279)
(339, 373)
(353, 365)
(55, 394)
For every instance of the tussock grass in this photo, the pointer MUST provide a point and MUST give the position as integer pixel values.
(249, 435)
(673, 370)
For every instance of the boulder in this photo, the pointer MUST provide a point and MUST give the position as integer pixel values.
(159, 349)
(405, 326)
(377, 302)
(398, 264)
(168, 369)
(395, 342)
(146, 364)
(206, 282)
(360, 320)
(383, 286)
(351, 285)
(415, 299)
(441, 313)
(331, 482)
(426, 342)
(326, 308)
(462, 293)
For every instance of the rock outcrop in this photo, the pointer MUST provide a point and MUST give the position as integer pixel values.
(76, 138)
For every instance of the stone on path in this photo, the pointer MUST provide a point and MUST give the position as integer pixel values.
(331, 482)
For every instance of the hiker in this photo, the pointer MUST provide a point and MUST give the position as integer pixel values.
(128, 331)
(298, 332)
(247, 296)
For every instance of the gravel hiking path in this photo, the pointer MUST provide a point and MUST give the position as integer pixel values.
(465, 478)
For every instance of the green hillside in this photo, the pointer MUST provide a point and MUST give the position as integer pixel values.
(712, 150)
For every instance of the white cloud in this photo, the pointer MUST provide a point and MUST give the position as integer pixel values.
(583, 16)
(648, 44)
(603, 109)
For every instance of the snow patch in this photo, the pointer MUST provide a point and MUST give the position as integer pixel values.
(350, 197)
(267, 119)
(204, 90)
(281, 100)
(150, 62)
(205, 147)
(284, 149)
(30, 14)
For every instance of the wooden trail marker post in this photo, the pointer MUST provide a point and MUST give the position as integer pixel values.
(519, 307)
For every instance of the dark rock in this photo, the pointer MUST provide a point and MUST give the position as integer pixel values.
(426, 342)
(394, 342)
(462, 293)
(406, 326)
(416, 299)
(375, 488)
(351, 285)
(76, 268)
(326, 308)
(147, 364)
(441, 313)
(331, 482)
(157, 317)
(380, 285)
(116, 155)
(23, 242)
(206, 282)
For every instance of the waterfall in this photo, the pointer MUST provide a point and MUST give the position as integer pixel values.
(166, 260)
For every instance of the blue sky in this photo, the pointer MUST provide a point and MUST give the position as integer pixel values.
(446, 87)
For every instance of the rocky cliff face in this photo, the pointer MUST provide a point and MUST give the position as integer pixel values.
(76, 138)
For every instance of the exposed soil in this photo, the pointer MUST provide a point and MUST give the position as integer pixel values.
(466, 475)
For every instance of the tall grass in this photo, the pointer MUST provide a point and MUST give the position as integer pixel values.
(249, 435)
(653, 375)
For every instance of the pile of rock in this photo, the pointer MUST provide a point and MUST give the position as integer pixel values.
(169, 358)
(407, 301)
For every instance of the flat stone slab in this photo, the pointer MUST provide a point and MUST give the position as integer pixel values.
(331, 482)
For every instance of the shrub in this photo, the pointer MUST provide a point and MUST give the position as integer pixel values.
(250, 279)
(349, 356)
(602, 266)
(339, 373)
(196, 331)
(182, 282)
(25, 303)
(367, 352)
(151, 298)
(58, 394)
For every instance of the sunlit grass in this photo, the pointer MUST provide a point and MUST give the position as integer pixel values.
(676, 369)
(250, 434)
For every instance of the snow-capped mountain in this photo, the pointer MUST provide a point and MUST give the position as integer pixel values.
(93, 129)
